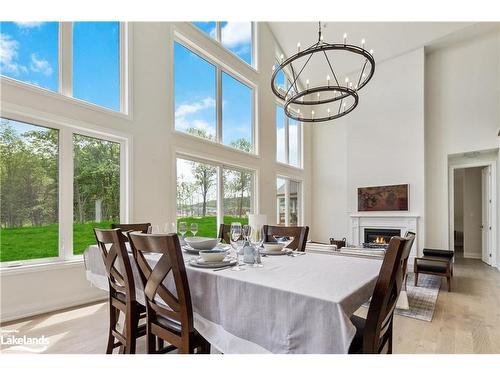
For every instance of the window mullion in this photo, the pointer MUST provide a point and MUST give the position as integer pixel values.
(287, 140)
(66, 58)
(287, 202)
(65, 194)
(218, 88)
(220, 196)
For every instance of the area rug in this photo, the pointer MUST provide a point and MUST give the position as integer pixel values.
(422, 298)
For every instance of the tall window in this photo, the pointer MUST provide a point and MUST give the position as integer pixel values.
(236, 113)
(288, 139)
(34, 200)
(235, 36)
(29, 194)
(199, 184)
(96, 63)
(237, 189)
(96, 188)
(29, 53)
(197, 102)
(195, 93)
(288, 201)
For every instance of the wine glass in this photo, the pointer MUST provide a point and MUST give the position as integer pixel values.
(194, 229)
(247, 231)
(182, 228)
(236, 235)
(155, 229)
(256, 239)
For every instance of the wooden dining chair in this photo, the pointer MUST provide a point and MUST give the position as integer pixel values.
(169, 314)
(225, 233)
(299, 235)
(137, 227)
(122, 298)
(374, 334)
(406, 254)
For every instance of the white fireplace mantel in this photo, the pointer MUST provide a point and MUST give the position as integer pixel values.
(404, 221)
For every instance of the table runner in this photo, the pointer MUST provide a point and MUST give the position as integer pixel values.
(292, 305)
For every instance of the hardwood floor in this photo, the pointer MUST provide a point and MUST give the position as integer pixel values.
(467, 320)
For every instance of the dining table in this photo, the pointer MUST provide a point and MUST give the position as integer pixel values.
(292, 304)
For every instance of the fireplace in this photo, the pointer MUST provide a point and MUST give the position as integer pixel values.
(379, 237)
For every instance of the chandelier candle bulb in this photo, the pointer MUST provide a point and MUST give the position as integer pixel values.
(363, 43)
(307, 83)
(328, 80)
(345, 38)
(298, 47)
(371, 52)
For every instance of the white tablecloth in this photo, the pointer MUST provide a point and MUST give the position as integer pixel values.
(292, 305)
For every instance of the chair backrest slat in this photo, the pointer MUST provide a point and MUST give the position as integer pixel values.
(299, 235)
(136, 227)
(379, 320)
(117, 262)
(160, 301)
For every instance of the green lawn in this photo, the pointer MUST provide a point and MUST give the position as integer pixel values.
(41, 242)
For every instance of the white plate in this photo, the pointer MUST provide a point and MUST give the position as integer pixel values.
(200, 263)
(188, 249)
(285, 251)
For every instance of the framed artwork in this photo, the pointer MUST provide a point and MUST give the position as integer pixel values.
(383, 198)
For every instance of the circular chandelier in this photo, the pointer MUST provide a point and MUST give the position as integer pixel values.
(331, 99)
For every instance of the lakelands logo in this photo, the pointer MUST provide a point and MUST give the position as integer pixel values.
(11, 341)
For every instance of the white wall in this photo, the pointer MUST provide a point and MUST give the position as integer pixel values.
(154, 148)
(379, 143)
(462, 114)
(472, 212)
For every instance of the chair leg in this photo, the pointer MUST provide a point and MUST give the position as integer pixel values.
(159, 343)
(448, 279)
(389, 344)
(150, 342)
(131, 322)
(416, 278)
(113, 319)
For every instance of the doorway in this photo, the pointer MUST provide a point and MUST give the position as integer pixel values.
(472, 213)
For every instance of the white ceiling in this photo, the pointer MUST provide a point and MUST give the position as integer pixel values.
(387, 39)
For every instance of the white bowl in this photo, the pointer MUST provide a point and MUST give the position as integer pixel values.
(202, 243)
(213, 255)
(273, 246)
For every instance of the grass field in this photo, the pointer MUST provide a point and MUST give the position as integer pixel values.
(42, 242)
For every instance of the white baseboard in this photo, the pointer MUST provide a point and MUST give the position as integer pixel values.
(473, 256)
(28, 310)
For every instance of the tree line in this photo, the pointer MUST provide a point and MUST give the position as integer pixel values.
(29, 176)
(236, 183)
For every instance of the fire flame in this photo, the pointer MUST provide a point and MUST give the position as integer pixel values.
(380, 240)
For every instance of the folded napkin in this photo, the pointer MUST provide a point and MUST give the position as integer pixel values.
(364, 252)
(313, 247)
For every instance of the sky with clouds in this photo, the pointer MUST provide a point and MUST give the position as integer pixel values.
(29, 53)
(195, 87)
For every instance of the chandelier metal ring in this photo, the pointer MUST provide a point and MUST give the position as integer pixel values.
(318, 48)
(334, 91)
(346, 92)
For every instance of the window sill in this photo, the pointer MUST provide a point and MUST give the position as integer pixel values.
(68, 99)
(300, 169)
(5, 270)
(213, 143)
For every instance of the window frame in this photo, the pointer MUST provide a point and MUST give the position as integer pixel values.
(300, 142)
(220, 67)
(65, 72)
(218, 39)
(220, 165)
(66, 128)
(300, 197)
